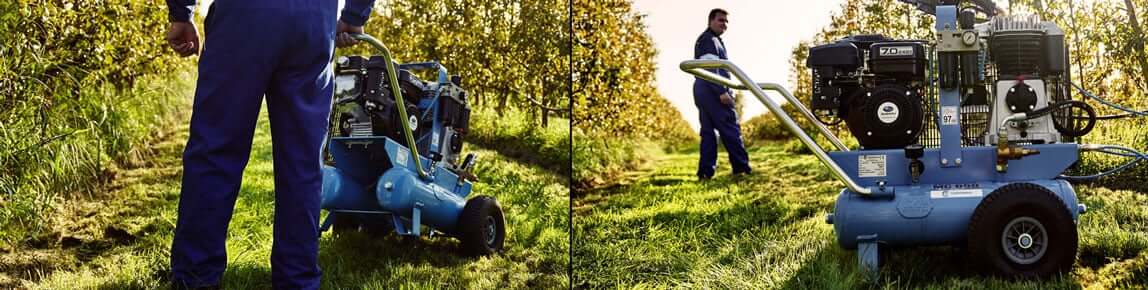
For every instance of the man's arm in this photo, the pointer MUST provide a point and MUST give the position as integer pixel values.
(355, 15)
(356, 12)
(704, 48)
(181, 33)
(180, 10)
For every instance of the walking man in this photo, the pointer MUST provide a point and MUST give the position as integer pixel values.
(278, 50)
(716, 105)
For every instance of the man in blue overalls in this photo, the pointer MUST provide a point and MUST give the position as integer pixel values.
(715, 105)
(280, 49)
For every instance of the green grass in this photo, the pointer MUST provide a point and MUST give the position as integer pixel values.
(120, 240)
(662, 228)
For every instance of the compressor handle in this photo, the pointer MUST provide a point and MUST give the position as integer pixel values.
(700, 67)
(392, 77)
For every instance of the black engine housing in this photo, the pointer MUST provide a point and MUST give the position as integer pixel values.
(872, 83)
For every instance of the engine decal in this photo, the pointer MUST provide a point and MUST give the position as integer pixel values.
(895, 51)
(888, 112)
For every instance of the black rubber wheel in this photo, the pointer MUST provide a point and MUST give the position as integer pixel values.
(1023, 230)
(482, 228)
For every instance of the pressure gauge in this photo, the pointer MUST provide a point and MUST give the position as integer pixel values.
(969, 37)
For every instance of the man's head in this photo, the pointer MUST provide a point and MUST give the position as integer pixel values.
(718, 19)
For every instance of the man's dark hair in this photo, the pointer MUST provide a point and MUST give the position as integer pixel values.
(714, 13)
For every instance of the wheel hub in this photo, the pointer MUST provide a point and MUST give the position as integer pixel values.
(1024, 240)
(491, 230)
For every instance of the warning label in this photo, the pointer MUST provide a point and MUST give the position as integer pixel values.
(871, 166)
(401, 156)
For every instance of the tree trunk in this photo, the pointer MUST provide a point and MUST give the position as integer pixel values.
(545, 112)
(501, 103)
(1137, 42)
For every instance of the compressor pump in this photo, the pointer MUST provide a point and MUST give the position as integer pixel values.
(964, 139)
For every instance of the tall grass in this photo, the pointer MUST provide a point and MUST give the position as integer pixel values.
(514, 133)
(65, 150)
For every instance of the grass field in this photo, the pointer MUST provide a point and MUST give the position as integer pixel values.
(120, 239)
(661, 228)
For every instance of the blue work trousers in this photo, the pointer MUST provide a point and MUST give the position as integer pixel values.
(255, 50)
(714, 116)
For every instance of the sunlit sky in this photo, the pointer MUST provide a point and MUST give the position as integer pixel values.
(760, 37)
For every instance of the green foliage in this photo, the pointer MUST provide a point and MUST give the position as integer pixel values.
(619, 117)
(513, 134)
(509, 53)
(764, 127)
(665, 229)
(78, 90)
(599, 161)
(614, 93)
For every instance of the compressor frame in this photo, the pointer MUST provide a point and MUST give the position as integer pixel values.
(955, 190)
(415, 191)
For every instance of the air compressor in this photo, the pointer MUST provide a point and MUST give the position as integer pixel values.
(963, 139)
(393, 155)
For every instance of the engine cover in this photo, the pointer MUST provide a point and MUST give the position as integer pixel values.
(886, 117)
(1021, 97)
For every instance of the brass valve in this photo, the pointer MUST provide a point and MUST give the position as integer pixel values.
(1006, 152)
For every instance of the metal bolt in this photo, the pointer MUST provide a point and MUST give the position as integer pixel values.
(958, 161)
(944, 161)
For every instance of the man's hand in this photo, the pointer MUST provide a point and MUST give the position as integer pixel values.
(726, 99)
(343, 34)
(183, 38)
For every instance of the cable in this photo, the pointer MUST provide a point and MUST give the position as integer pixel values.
(1130, 112)
(1108, 149)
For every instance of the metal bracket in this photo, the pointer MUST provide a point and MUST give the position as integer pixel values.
(867, 254)
(416, 220)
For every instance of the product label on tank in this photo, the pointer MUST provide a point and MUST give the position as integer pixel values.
(956, 193)
(871, 166)
(949, 115)
(888, 112)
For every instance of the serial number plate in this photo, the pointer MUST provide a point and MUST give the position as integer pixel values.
(871, 166)
(895, 51)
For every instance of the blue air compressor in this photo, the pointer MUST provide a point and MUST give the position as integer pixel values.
(963, 139)
(393, 155)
